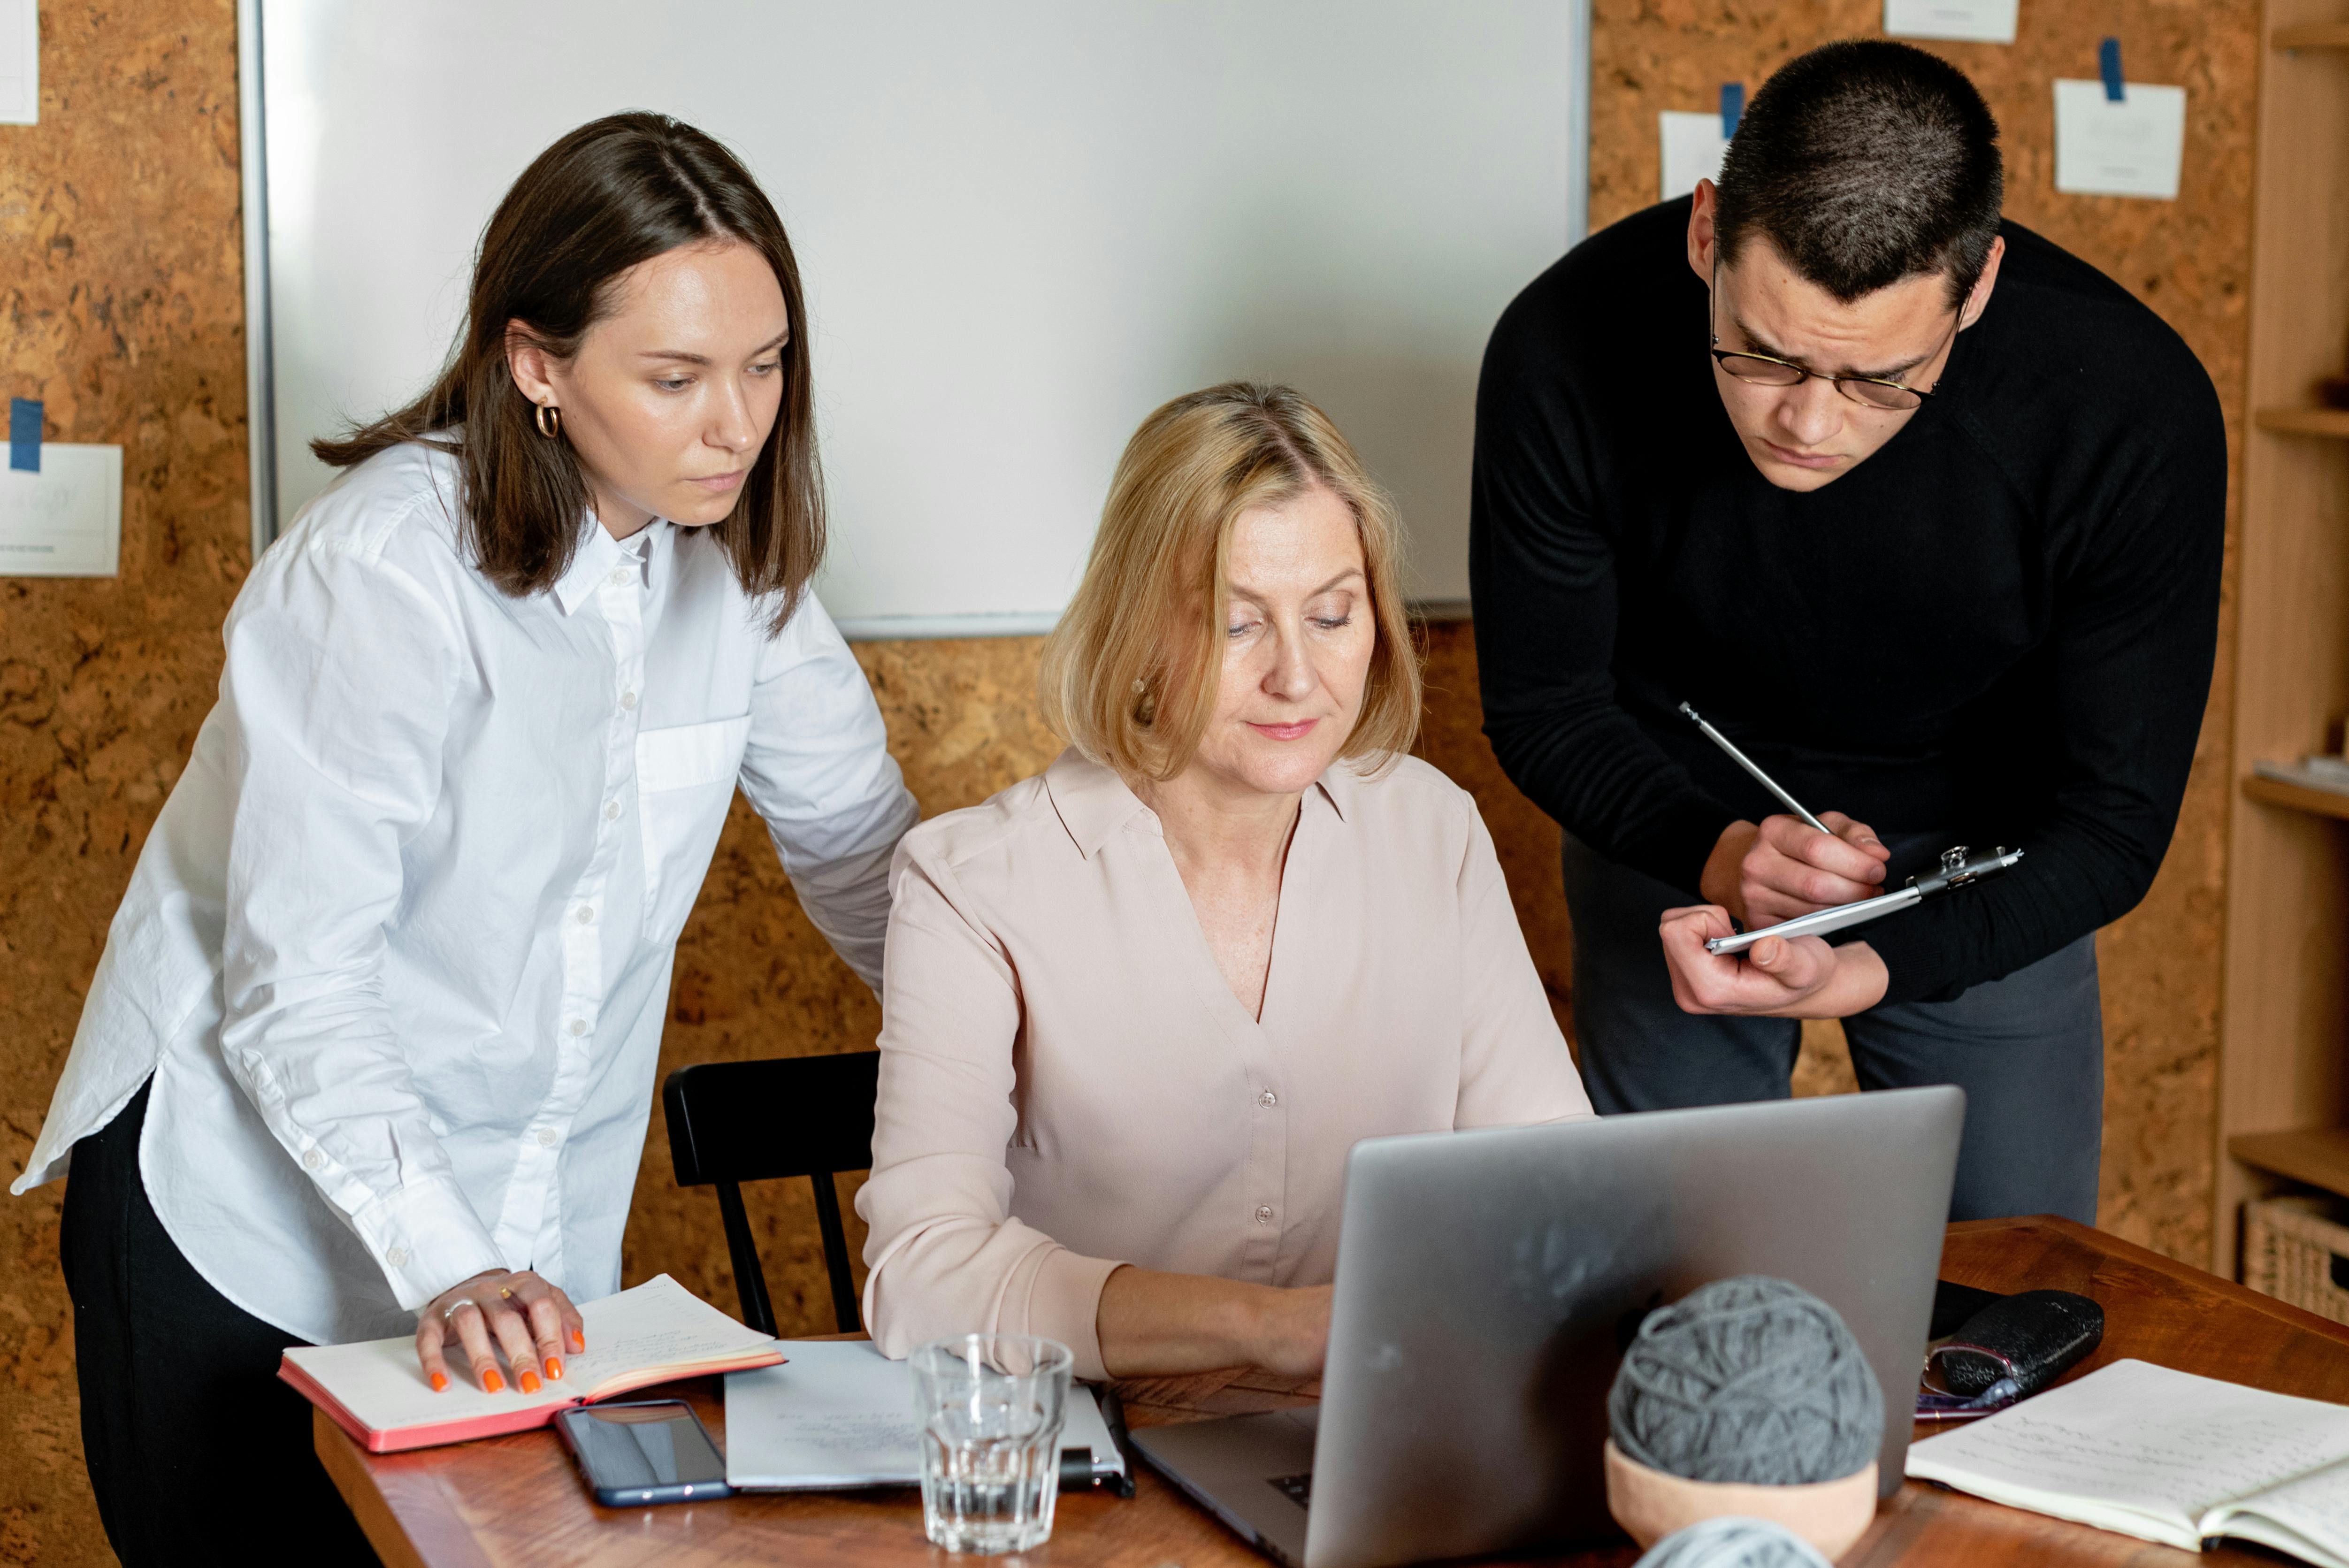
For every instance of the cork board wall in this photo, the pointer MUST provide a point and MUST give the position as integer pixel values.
(119, 269)
(122, 284)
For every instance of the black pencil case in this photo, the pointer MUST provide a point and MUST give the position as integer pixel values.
(2032, 1338)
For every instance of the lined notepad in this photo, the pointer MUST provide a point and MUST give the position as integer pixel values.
(840, 1414)
(2165, 1456)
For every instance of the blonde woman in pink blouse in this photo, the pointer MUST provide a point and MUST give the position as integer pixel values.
(1137, 1010)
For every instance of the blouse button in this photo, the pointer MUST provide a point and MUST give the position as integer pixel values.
(1268, 1099)
(586, 914)
(546, 1138)
(397, 1257)
(629, 699)
(1264, 1213)
(578, 1028)
(610, 811)
(311, 1159)
(619, 577)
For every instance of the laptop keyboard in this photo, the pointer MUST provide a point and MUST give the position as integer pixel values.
(1298, 1488)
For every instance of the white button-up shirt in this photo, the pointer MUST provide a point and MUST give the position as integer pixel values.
(396, 952)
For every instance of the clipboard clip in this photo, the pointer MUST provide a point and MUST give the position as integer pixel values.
(1961, 867)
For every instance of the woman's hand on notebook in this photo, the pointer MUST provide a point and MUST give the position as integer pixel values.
(1781, 867)
(531, 1321)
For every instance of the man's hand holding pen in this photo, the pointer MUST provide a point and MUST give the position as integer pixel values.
(1764, 873)
(1782, 867)
(1797, 978)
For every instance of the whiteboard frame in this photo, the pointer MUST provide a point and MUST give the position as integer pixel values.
(260, 383)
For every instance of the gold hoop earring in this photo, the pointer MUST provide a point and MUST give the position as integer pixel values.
(549, 420)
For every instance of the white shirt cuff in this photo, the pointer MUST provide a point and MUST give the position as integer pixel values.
(425, 1238)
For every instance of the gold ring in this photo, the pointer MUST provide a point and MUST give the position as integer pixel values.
(505, 1292)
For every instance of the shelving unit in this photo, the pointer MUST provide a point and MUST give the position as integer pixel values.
(2296, 797)
(2284, 1073)
(2331, 422)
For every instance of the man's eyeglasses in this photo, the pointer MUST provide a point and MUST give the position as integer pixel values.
(1768, 370)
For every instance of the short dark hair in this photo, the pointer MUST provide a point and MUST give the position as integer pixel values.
(616, 192)
(1866, 162)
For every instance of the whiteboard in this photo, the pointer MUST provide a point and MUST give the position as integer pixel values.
(1021, 225)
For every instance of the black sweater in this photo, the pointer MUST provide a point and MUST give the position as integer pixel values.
(1998, 629)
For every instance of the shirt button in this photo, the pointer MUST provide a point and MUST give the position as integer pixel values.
(619, 577)
(397, 1257)
(578, 1028)
(586, 914)
(612, 811)
(546, 1138)
(1263, 1214)
(311, 1159)
(1268, 1099)
(629, 699)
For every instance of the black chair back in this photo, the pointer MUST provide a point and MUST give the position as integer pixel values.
(732, 1123)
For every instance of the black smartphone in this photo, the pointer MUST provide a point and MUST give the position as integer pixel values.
(652, 1450)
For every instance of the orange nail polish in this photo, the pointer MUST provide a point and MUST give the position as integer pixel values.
(578, 1342)
(555, 1366)
(494, 1383)
(440, 1382)
(530, 1382)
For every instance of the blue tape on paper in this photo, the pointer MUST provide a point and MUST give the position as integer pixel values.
(2109, 65)
(1732, 107)
(25, 434)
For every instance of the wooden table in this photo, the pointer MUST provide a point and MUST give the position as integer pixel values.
(515, 1501)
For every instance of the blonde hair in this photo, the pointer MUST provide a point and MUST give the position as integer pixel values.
(1131, 674)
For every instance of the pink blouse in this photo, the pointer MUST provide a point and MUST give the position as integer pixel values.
(1067, 1083)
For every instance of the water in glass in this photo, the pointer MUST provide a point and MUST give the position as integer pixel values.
(991, 1407)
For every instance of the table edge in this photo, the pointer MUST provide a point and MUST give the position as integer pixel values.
(2126, 1251)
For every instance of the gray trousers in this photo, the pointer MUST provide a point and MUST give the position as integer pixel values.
(2029, 1049)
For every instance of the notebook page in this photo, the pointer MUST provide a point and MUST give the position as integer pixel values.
(834, 1414)
(2165, 1445)
(839, 1413)
(2313, 1510)
(660, 1322)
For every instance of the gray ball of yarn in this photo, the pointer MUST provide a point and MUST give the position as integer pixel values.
(1729, 1541)
(1748, 1379)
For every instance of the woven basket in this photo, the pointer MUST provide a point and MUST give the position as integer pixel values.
(2296, 1251)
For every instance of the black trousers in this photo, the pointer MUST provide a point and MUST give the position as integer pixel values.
(197, 1452)
(2029, 1049)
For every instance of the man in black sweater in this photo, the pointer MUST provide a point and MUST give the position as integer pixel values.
(1934, 532)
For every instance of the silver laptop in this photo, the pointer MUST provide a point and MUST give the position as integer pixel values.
(1487, 1283)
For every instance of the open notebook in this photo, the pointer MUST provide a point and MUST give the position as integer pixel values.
(654, 1334)
(2166, 1456)
(840, 1414)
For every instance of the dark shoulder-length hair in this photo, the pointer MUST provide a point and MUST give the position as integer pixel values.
(615, 192)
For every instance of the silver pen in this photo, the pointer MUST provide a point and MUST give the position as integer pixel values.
(1759, 777)
(1958, 868)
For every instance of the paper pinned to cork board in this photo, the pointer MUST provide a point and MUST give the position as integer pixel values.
(66, 520)
(2132, 146)
(1692, 150)
(20, 62)
(1975, 21)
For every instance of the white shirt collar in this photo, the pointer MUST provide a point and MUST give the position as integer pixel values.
(599, 552)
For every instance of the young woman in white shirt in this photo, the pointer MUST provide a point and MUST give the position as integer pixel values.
(371, 1048)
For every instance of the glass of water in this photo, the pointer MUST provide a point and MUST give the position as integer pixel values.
(991, 1407)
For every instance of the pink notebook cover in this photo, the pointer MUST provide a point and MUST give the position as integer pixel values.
(656, 1332)
(527, 1414)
